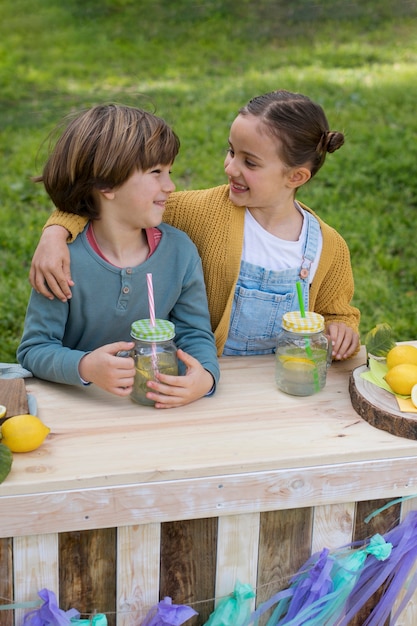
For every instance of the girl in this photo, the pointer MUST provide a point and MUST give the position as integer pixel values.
(254, 238)
(112, 167)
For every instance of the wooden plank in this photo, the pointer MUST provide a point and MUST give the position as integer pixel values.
(237, 553)
(35, 567)
(284, 545)
(6, 580)
(381, 524)
(87, 566)
(333, 526)
(188, 565)
(207, 497)
(138, 555)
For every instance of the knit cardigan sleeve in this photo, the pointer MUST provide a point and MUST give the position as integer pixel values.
(74, 224)
(332, 288)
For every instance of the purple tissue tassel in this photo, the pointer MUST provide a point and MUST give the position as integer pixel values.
(49, 614)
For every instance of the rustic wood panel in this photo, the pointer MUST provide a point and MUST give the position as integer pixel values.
(138, 556)
(35, 566)
(202, 497)
(87, 572)
(333, 526)
(381, 524)
(6, 580)
(237, 553)
(188, 565)
(284, 545)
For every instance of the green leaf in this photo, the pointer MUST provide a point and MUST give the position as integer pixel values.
(6, 460)
(379, 341)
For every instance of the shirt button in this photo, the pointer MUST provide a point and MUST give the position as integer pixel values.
(126, 290)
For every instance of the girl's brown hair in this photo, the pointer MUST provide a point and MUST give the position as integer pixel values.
(101, 148)
(299, 124)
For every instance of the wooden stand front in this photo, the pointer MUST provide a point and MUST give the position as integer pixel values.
(123, 504)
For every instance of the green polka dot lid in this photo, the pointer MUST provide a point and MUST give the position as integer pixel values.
(311, 323)
(162, 331)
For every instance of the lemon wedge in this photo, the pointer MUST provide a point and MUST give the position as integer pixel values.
(414, 395)
(3, 410)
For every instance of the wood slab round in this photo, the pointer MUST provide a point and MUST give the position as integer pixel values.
(379, 407)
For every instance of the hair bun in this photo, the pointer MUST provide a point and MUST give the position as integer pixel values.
(334, 140)
(330, 141)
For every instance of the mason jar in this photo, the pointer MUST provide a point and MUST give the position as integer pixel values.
(303, 354)
(154, 351)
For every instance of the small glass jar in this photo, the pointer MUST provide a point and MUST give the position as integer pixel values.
(303, 354)
(154, 351)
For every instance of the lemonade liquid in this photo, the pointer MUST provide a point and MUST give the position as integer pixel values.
(145, 370)
(299, 374)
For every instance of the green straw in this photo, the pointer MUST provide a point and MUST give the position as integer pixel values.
(300, 299)
(309, 351)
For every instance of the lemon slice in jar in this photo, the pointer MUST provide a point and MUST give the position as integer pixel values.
(3, 410)
(299, 363)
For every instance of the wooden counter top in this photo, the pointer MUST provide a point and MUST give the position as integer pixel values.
(246, 448)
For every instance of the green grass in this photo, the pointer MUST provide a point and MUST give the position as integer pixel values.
(195, 63)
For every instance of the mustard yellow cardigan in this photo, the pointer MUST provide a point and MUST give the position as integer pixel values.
(216, 226)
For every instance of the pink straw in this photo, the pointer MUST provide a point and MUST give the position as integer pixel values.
(152, 320)
(151, 300)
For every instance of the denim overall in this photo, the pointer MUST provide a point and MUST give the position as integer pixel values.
(263, 296)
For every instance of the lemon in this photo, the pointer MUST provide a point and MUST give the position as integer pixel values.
(23, 433)
(3, 410)
(414, 395)
(402, 378)
(402, 353)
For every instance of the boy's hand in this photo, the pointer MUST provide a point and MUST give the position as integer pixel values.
(108, 371)
(174, 391)
(50, 273)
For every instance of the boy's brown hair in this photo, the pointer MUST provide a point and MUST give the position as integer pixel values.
(100, 149)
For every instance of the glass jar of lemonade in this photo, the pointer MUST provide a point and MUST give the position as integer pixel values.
(154, 351)
(303, 354)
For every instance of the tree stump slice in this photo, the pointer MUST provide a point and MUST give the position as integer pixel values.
(379, 407)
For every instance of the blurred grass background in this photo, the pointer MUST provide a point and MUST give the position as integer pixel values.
(195, 63)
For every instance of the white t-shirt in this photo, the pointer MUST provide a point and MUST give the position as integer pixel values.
(263, 249)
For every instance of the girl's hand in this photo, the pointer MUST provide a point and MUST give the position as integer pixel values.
(344, 340)
(50, 272)
(174, 391)
(108, 371)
